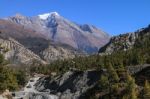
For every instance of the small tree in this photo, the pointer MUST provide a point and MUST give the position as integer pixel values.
(131, 92)
(112, 72)
(146, 91)
(103, 82)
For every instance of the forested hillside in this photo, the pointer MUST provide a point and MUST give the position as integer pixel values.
(116, 80)
(139, 53)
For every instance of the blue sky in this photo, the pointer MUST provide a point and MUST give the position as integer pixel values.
(112, 16)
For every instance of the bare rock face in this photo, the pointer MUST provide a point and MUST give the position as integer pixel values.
(58, 29)
(16, 53)
(55, 52)
(70, 85)
(121, 42)
(41, 96)
(125, 41)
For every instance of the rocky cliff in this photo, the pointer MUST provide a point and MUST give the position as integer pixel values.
(16, 53)
(59, 52)
(70, 85)
(126, 41)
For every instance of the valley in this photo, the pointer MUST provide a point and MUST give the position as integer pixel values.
(49, 57)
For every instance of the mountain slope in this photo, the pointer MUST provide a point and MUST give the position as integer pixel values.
(16, 53)
(58, 29)
(127, 41)
(59, 52)
(32, 43)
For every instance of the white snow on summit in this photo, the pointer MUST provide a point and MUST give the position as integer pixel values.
(46, 15)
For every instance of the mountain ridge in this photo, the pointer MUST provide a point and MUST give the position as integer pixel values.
(35, 45)
(59, 29)
(124, 41)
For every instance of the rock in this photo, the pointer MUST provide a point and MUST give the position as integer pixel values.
(41, 96)
(16, 53)
(124, 42)
(70, 85)
(59, 52)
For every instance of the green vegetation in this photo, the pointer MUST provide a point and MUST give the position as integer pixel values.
(131, 90)
(116, 82)
(139, 54)
(146, 91)
(9, 78)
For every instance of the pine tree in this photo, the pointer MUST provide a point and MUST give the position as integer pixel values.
(146, 94)
(131, 89)
(103, 82)
(112, 72)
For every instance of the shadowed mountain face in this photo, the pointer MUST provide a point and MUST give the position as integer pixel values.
(58, 29)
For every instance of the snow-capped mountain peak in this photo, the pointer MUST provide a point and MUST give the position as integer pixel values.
(54, 13)
(46, 15)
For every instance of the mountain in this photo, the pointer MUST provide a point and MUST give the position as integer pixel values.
(127, 41)
(56, 28)
(24, 44)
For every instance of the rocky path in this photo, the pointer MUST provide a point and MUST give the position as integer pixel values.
(29, 91)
